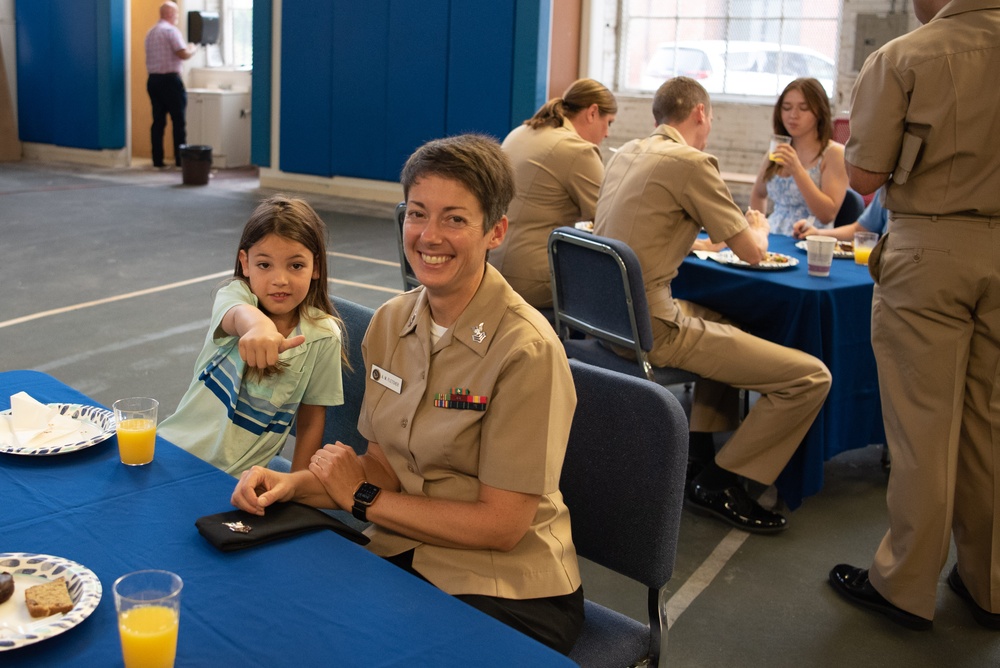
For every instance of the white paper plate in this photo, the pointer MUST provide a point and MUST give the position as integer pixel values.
(17, 627)
(774, 261)
(95, 425)
(838, 250)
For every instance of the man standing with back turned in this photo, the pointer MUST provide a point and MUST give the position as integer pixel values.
(658, 193)
(923, 121)
(165, 53)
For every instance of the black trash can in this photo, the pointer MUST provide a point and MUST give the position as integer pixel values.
(196, 162)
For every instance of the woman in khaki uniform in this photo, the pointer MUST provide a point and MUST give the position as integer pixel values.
(460, 481)
(557, 173)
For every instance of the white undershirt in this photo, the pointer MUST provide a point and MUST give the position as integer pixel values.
(437, 331)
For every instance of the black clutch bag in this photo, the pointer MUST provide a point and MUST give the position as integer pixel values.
(238, 529)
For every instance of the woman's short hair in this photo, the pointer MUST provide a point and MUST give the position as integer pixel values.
(579, 96)
(476, 161)
(676, 98)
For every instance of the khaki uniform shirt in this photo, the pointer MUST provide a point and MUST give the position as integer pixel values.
(936, 85)
(502, 349)
(557, 174)
(657, 195)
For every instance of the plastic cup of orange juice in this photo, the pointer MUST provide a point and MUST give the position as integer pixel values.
(136, 429)
(864, 242)
(148, 604)
(776, 140)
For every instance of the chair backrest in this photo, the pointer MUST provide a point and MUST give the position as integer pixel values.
(623, 477)
(342, 421)
(409, 278)
(851, 209)
(597, 289)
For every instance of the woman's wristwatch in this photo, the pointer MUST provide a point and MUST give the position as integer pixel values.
(364, 496)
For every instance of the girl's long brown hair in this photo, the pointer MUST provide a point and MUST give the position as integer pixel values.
(293, 219)
(818, 103)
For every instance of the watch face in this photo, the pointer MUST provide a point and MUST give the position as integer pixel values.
(366, 493)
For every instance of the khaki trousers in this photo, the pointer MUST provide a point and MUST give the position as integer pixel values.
(936, 336)
(792, 385)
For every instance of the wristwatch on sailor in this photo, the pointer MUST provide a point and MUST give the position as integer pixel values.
(364, 497)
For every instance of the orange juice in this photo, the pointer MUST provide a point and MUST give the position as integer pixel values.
(861, 254)
(136, 441)
(149, 636)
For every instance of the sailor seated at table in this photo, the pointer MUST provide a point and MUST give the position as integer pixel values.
(657, 194)
(461, 482)
(874, 218)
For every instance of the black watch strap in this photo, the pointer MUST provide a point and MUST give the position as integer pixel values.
(364, 497)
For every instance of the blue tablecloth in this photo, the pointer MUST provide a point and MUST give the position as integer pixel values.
(313, 600)
(826, 317)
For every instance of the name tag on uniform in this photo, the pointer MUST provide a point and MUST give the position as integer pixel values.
(386, 379)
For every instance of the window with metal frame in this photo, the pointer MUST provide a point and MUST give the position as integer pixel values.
(737, 49)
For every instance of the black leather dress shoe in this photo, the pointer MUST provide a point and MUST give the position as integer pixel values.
(990, 620)
(735, 506)
(852, 583)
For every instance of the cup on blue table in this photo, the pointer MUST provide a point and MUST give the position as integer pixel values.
(819, 252)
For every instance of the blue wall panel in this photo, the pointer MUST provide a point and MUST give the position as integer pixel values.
(260, 95)
(359, 118)
(529, 87)
(364, 84)
(35, 94)
(71, 72)
(72, 69)
(111, 75)
(480, 60)
(306, 87)
(416, 97)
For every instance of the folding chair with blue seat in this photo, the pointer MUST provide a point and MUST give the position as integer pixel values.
(342, 421)
(597, 289)
(623, 481)
(409, 278)
(851, 208)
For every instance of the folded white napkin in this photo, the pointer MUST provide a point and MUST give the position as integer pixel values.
(33, 424)
(705, 255)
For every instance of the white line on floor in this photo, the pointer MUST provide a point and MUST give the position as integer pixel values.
(170, 286)
(713, 565)
(363, 259)
(704, 575)
(367, 286)
(200, 325)
(108, 300)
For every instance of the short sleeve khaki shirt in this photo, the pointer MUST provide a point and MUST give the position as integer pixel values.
(505, 351)
(557, 174)
(937, 85)
(657, 195)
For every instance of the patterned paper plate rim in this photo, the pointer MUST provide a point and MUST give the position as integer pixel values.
(84, 588)
(774, 261)
(96, 425)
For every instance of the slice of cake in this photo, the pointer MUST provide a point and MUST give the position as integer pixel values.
(48, 599)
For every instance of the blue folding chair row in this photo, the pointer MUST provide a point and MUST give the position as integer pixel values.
(597, 289)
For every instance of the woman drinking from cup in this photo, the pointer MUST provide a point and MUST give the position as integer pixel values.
(806, 177)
